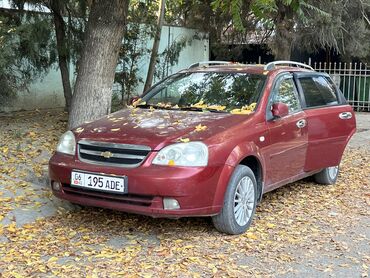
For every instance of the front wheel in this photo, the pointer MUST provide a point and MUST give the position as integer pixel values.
(239, 203)
(327, 176)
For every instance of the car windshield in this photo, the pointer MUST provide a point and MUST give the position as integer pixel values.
(213, 91)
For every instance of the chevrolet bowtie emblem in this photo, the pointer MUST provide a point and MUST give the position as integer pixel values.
(106, 154)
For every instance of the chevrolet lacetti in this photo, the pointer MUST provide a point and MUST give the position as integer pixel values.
(208, 141)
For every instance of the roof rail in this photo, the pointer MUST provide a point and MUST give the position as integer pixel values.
(205, 63)
(273, 65)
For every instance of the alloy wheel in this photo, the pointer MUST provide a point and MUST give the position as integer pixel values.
(333, 172)
(244, 199)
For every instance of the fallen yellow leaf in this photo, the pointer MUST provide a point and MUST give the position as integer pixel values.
(5, 150)
(79, 130)
(200, 127)
(240, 111)
(217, 107)
(199, 104)
(251, 236)
(136, 102)
(12, 228)
(52, 259)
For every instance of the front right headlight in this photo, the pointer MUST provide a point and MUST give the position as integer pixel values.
(67, 143)
(183, 154)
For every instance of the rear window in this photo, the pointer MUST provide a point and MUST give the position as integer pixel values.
(318, 91)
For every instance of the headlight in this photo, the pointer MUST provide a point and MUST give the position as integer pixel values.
(183, 154)
(67, 143)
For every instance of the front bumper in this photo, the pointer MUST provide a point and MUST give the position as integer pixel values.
(199, 190)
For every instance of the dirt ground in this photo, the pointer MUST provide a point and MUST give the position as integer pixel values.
(300, 230)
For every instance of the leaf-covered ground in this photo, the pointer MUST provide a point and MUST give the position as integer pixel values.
(300, 230)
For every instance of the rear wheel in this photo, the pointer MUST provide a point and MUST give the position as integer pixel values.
(327, 176)
(239, 203)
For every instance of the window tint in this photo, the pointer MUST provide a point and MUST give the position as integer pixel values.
(286, 92)
(318, 91)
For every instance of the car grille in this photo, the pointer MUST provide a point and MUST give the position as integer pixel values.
(112, 154)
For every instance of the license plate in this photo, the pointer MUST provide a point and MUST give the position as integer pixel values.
(99, 182)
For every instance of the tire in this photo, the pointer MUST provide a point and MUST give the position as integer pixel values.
(327, 176)
(237, 212)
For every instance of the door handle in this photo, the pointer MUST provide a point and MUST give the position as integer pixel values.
(345, 115)
(301, 123)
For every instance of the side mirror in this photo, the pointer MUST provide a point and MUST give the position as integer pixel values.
(279, 110)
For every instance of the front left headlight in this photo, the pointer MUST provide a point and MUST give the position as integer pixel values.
(183, 154)
(67, 143)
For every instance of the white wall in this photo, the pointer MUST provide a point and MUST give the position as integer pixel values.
(42, 94)
(48, 92)
(195, 51)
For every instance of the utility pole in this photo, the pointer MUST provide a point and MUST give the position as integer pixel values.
(157, 39)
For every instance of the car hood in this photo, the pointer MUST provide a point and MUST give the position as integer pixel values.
(156, 128)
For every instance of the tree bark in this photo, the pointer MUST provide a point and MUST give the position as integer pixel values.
(63, 53)
(93, 90)
(284, 32)
(157, 39)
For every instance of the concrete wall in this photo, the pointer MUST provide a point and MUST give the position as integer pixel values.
(48, 92)
(44, 93)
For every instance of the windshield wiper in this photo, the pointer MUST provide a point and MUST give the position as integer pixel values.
(183, 108)
(145, 106)
(192, 108)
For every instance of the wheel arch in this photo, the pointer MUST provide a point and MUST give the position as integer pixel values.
(255, 165)
(243, 154)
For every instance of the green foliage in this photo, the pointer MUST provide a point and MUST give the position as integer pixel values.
(135, 48)
(307, 24)
(27, 51)
(344, 28)
(233, 8)
(140, 29)
(169, 57)
(6, 54)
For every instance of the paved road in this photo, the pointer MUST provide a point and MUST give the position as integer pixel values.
(362, 137)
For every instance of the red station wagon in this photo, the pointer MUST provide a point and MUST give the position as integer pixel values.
(208, 141)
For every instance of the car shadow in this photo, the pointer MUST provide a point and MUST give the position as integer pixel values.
(107, 221)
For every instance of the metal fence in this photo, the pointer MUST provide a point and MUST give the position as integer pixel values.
(353, 79)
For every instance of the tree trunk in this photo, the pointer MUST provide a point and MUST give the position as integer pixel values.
(63, 53)
(284, 32)
(93, 90)
(157, 39)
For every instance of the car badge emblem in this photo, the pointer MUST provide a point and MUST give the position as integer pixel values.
(106, 154)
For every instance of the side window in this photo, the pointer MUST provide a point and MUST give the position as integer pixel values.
(285, 91)
(318, 91)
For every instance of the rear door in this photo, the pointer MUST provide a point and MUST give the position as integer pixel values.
(288, 135)
(330, 120)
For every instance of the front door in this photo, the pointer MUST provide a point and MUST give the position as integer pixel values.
(287, 135)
